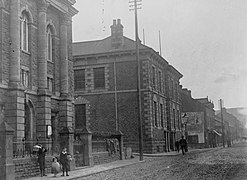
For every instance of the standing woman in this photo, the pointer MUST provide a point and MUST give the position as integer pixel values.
(64, 161)
(41, 160)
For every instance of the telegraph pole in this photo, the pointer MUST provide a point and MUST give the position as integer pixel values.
(138, 80)
(222, 124)
(160, 44)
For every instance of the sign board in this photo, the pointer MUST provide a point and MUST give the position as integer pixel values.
(194, 122)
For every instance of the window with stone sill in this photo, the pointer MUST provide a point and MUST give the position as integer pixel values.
(161, 115)
(99, 78)
(49, 35)
(79, 79)
(178, 117)
(155, 123)
(172, 89)
(50, 84)
(24, 32)
(25, 78)
(153, 77)
(159, 81)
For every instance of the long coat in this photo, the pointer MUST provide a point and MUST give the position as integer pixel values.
(64, 158)
(41, 157)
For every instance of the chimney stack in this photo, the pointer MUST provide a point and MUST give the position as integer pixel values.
(187, 92)
(117, 34)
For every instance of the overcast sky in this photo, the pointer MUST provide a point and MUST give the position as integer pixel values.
(206, 40)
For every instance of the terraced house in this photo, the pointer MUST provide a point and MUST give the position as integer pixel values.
(105, 74)
(36, 76)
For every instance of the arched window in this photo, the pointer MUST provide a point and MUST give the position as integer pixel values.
(29, 126)
(24, 31)
(49, 43)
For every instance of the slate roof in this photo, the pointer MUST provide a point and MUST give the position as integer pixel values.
(102, 46)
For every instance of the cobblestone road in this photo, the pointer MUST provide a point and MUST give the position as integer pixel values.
(211, 164)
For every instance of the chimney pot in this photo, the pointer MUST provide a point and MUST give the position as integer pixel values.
(114, 22)
(118, 21)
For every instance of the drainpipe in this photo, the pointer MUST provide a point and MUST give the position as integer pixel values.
(115, 93)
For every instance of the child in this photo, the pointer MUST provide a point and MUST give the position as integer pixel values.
(55, 166)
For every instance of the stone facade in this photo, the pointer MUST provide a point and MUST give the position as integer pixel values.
(36, 72)
(113, 106)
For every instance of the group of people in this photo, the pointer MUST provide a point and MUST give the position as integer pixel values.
(182, 143)
(57, 163)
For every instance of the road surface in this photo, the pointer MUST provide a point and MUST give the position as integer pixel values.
(212, 164)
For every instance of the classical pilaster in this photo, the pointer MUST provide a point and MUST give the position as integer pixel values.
(65, 110)
(44, 99)
(64, 54)
(14, 72)
(14, 111)
(42, 44)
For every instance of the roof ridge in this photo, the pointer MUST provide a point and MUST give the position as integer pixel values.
(80, 42)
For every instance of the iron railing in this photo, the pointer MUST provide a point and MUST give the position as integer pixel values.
(22, 148)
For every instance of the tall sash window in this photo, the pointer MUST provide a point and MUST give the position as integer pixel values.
(49, 43)
(24, 32)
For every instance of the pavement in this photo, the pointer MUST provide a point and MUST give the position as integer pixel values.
(90, 170)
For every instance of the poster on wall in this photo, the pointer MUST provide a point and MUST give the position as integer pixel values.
(193, 121)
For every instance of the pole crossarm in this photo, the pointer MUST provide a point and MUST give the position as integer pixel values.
(135, 5)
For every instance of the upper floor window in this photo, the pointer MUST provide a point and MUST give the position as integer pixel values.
(99, 77)
(49, 43)
(50, 84)
(153, 76)
(160, 81)
(174, 118)
(155, 114)
(161, 115)
(172, 89)
(178, 117)
(176, 91)
(25, 78)
(24, 32)
(79, 81)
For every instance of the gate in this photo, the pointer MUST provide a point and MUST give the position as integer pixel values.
(78, 152)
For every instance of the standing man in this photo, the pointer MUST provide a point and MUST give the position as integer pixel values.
(183, 144)
(41, 160)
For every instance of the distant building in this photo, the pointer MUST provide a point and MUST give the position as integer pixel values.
(105, 75)
(235, 129)
(198, 119)
(240, 113)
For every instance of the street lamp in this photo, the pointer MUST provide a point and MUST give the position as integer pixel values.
(185, 119)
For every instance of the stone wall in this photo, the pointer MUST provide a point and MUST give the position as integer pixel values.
(104, 157)
(29, 167)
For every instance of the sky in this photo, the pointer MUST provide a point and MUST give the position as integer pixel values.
(205, 40)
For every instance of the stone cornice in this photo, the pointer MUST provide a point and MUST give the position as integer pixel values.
(64, 6)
